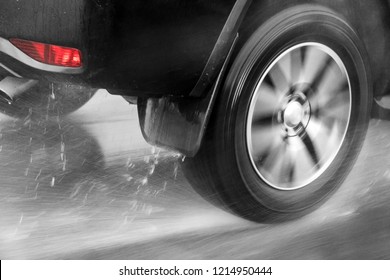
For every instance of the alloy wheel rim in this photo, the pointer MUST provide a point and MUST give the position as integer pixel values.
(298, 116)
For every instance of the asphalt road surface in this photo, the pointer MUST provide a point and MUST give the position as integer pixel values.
(89, 187)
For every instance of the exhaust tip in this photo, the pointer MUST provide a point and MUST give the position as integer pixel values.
(11, 87)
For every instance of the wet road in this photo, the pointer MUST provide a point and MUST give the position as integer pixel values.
(89, 187)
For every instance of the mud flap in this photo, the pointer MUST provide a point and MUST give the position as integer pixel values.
(179, 124)
(176, 125)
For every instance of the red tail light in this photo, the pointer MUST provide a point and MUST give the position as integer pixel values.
(49, 54)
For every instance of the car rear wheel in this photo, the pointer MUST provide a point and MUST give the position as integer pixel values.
(290, 120)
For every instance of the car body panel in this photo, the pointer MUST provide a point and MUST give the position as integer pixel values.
(138, 47)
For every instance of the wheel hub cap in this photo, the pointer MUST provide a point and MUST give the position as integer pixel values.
(293, 114)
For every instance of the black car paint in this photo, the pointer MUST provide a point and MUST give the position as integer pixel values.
(138, 47)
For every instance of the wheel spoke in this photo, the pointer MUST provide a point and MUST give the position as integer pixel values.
(327, 98)
(303, 162)
(332, 83)
(326, 135)
(269, 83)
(267, 101)
(278, 78)
(285, 65)
(291, 172)
(315, 59)
(331, 102)
(261, 121)
(263, 139)
(336, 107)
(309, 145)
(321, 74)
(288, 170)
(333, 109)
(297, 61)
(273, 161)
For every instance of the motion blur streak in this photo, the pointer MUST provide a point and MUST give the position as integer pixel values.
(88, 186)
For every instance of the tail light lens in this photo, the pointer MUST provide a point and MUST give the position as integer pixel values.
(49, 54)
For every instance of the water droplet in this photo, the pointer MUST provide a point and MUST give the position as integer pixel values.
(39, 174)
(128, 162)
(21, 219)
(175, 168)
(144, 181)
(85, 198)
(149, 210)
(62, 155)
(163, 189)
(53, 181)
(133, 205)
(151, 169)
(52, 96)
(64, 163)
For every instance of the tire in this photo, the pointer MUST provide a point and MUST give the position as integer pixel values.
(47, 100)
(277, 144)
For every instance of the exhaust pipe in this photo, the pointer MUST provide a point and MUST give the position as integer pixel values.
(11, 87)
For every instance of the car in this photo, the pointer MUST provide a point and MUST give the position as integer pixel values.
(269, 101)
